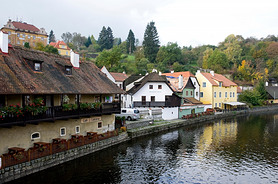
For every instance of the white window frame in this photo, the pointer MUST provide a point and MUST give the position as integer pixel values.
(201, 94)
(36, 137)
(226, 94)
(204, 84)
(220, 94)
(214, 94)
(77, 128)
(233, 94)
(101, 125)
(219, 104)
(62, 135)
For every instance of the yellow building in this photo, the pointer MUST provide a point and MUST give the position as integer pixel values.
(62, 47)
(217, 90)
(21, 32)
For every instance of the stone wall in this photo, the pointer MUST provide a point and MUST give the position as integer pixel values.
(24, 169)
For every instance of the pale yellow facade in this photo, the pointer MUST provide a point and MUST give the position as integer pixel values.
(63, 51)
(215, 94)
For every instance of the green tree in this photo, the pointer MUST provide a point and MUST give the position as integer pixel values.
(103, 39)
(109, 58)
(151, 42)
(117, 41)
(130, 42)
(207, 53)
(78, 41)
(88, 42)
(26, 45)
(110, 38)
(141, 66)
(51, 49)
(218, 61)
(51, 37)
(169, 54)
(177, 67)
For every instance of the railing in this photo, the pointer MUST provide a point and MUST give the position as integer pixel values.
(57, 112)
(9, 159)
(149, 104)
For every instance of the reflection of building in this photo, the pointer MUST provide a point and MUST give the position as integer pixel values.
(217, 134)
(62, 47)
(21, 32)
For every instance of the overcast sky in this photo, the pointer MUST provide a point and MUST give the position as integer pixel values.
(187, 22)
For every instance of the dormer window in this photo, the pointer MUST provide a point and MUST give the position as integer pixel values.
(220, 84)
(68, 70)
(37, 66)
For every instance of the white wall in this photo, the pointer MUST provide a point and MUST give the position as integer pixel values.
(170, 113)
(197, 88)
(104, 70)
(158, 93)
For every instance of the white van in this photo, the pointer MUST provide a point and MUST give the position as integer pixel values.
(129, 114)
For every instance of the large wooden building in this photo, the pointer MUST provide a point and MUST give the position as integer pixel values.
(46, 96)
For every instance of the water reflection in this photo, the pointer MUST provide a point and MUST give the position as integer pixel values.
(235, 150)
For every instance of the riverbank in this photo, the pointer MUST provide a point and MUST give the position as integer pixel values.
(135, 129)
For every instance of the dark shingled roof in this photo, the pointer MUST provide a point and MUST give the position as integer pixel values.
(18, 77)
(272, 91)
(152, 77)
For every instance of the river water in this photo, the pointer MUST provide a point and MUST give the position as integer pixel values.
(234, 150)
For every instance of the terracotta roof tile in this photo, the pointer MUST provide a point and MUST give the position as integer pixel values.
(119, 77)
(25, 26)
(177, 74)
(58, 43)
(220, 78)
(18, 77)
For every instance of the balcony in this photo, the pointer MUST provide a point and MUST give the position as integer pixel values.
(56, 113)
(170, 101)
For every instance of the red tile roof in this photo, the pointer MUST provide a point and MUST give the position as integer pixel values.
(177, 74)
(58, 43)
(25, 26)
(119, 77)
(220, 78)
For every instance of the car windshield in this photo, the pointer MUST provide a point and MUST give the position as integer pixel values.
(136, 111)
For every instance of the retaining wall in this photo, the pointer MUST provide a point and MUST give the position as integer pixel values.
(24, 169)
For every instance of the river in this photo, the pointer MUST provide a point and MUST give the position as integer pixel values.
(234, 150)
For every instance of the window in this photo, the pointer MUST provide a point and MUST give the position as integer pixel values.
(59, 51)
(159, 86)
(9, 32)
(214, 94)
(18, 34)
(186, 93)
(230, 94)
(37, 66)
(152, 98)
(34, 37)
(220, 84)
(215, 105)
(35, 135)
(42, 38)
(68, 70)
(143, 99)
(150, 86)
(62, 131)
(219, 104)
(191, 93)
(29, 36)
(9, 40)
(219, 94)
(233, 94)
(99, 125)
(204, 84)
(123, 111)
(18, 42)
(201, 94)
(77, 129)
(194, 84)
(226, 94)
(196, 93)
(23, 43)
(67, 53)
(23, 35)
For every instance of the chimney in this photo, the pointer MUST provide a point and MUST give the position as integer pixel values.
(180, 81)
(266, 83)
(172, 71)
(74, 59)
(4, 42)
(159, 73)
(212, 73)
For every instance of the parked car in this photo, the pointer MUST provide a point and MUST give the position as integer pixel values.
(129, 114)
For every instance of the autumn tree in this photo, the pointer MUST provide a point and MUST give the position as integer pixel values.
(207, 53)
(151, 42)
(218, 61)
